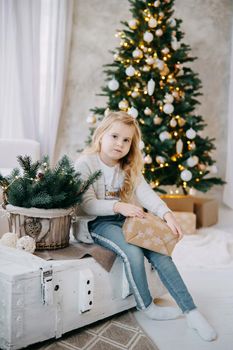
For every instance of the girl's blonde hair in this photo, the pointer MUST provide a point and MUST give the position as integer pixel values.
(132, 163)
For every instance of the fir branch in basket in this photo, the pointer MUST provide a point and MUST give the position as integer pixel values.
(40, 186)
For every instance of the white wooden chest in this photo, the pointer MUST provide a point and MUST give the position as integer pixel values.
(44, 299)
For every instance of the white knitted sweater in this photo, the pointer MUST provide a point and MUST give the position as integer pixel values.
(94, 203)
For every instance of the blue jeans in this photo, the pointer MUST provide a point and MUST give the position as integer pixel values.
(107, 232)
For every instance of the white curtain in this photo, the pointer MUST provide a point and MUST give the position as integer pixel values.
(34, 48)
(228, 190)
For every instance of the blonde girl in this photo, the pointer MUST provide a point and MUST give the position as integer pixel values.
(115, 150)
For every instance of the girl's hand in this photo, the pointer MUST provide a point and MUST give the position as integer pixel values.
(127, 209)
(173, 224)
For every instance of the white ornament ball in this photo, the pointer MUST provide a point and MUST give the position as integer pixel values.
(150, 60)
(173, 123)
(148, 37)
(91, 119)
(175, 94)
(123, 104)
(156, 3)
(151, 87)
(160, 159)
(130, 71)
(168, 98)
(141, 145)
(152, 22)
(168, 108)
(9, 239)
(160, 64)
(192, 161)
(137, 53)
(148, 159)
(157, 120)
(159, 32)
(113, 84)
(134, 94)
(186, 175)
(165, 50)
(26, 243)
(133, 23)
(191, 134)
(133, 112)
(165, 135)
(171, 22)
(146, 68)
(147, 111)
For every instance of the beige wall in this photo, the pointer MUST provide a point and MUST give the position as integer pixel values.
(207, 27)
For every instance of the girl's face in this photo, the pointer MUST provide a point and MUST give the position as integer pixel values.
(116, 142)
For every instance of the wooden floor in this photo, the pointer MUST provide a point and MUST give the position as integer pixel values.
(212, 291)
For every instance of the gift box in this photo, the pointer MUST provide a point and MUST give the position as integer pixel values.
(187, 222)
(179, 202)
(205, 208)
(151, 233)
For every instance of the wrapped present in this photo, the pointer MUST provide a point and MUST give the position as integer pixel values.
(205, 208)
(187, 222)
(179, 202)
(151, 233)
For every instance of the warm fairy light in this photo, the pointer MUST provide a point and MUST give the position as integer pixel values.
(197, 179)
(165, 58)
(142, 121)
(200, 172)
(184, 184)
(177, 191)
(166, 164)
(177, 88)
(149, 49)
(161, 165)
(175, 133)
(173, 158)
(180, 167)
(177, 117)
(152, 169)
(163, 77)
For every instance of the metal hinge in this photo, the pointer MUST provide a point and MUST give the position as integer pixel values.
(47, 285)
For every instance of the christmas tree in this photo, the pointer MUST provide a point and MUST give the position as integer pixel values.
(151, 79)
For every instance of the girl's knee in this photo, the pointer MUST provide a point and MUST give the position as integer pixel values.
(134, 254)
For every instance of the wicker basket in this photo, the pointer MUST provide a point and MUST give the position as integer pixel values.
(49, 227)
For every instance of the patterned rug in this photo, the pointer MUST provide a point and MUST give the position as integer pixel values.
(119, 332)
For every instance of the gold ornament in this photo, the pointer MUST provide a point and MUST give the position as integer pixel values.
(123, 104)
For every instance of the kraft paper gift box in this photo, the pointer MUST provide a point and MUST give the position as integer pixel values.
(151, 233)
(179, 202)
(205, 208)
(187, 222)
